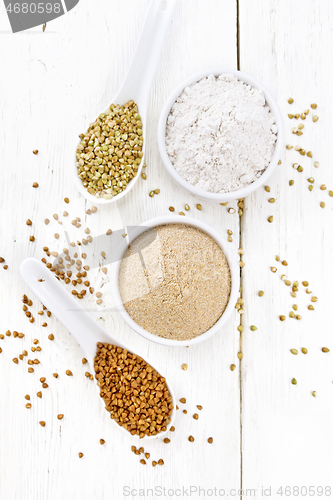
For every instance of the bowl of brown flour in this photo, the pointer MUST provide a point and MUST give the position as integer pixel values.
(175, 282)
(220, 135)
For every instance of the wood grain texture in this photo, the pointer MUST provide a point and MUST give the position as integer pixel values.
(286, 431)
(53, 85)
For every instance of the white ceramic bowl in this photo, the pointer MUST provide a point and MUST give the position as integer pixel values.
(240, 193)
(234, 269)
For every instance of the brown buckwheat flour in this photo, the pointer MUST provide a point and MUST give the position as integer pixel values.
(175, 281)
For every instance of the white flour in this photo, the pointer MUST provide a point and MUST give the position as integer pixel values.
(220, 134)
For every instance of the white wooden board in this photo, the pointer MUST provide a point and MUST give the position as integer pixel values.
(287, 439)
(52, 85)
(267, 432)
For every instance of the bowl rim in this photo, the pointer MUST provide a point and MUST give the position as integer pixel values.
(240, 193)
(223, 244)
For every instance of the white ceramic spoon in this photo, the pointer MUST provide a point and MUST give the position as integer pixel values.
(77, 321)
(138, 80)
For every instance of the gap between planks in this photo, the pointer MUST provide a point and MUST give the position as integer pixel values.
(241, 285)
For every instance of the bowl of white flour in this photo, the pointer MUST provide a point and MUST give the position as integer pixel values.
(220, 135)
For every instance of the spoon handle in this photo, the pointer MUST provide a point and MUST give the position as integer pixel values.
(77, 321)
(57, 300)
(140, 75)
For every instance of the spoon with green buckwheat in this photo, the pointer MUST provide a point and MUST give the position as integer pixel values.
(110, 155)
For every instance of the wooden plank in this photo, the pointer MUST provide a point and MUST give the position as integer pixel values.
(286, 431)
(54, 83)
